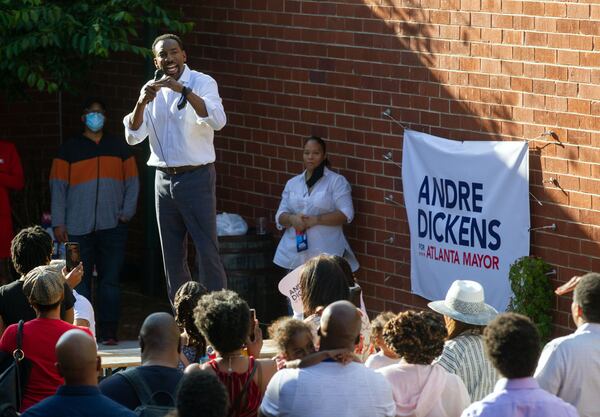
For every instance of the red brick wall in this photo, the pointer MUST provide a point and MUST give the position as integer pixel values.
(470, 69)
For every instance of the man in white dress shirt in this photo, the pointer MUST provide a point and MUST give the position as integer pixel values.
(180, 111)
(569, 366)
(331, 389)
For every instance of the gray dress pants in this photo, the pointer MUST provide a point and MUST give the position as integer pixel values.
(186, 204)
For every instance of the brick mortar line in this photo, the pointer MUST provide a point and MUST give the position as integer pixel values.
(398, 35)
(383, 7)
(571, 222)
(448, 70)
(546, 202)
(520, 123)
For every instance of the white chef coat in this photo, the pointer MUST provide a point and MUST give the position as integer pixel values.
(330, 193)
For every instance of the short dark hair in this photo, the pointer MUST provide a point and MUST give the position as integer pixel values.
(165, 37)
(512, 343)
(223, 317)
(186, 299)
(322, 282)
(201, 394)
(31, 247)
(87, 103)
(45, 308)
(418, 337)
(587, 296)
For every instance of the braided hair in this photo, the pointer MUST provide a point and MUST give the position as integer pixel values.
(186, 299)
(31, 247)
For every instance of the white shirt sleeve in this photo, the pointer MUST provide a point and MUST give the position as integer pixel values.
(342, 196)
(134, 137)
(284, 206)
(550, 369)
(209, 92)
(83, 310)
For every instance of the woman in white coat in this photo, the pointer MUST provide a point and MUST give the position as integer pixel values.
(314, 207)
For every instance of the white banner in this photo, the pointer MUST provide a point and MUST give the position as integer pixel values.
(468, 213)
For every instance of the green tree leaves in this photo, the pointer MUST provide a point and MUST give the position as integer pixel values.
(532, 292)
(51, 44)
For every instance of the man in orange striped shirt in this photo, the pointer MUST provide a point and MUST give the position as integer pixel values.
(94, 184)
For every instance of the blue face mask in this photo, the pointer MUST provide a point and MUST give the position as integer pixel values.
(94, 121)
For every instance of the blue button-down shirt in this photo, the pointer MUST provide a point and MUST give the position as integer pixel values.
(520, 397)
(78, 401)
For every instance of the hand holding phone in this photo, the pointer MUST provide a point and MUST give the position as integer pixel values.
(73, 255)
(74, 277)
(255, 340)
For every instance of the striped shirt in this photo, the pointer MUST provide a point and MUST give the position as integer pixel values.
(465, 357)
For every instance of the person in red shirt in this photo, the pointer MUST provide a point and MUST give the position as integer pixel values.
(44, 287)
(11, 177)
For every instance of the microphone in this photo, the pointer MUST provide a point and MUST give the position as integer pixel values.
(158, 74)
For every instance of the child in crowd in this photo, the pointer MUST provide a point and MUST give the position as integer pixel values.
(384, 356)
(293, 338)
(296, 348)
(193, 345)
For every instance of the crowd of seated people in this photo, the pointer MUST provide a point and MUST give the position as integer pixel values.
(461, 358)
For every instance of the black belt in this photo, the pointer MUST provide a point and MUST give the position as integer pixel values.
(179, 170)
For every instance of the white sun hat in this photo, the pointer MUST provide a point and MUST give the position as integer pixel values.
(465, 302)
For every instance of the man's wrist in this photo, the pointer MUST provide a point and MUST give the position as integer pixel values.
(185, 90)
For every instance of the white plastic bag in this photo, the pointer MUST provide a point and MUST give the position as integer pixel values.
(229, 224)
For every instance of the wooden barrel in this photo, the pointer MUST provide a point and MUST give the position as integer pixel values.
(248, 262)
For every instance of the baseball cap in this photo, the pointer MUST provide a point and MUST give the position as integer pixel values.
(44, 285)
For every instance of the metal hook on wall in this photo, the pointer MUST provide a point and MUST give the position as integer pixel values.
(555, 182)
(535, 198)
(388, 113)
(390, 199)
(548, 227)
(389, 240)
(388, 157)
(546, 133)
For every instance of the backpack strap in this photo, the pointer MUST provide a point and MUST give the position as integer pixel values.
(20, 335)
(141, 388)
(19, 355)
